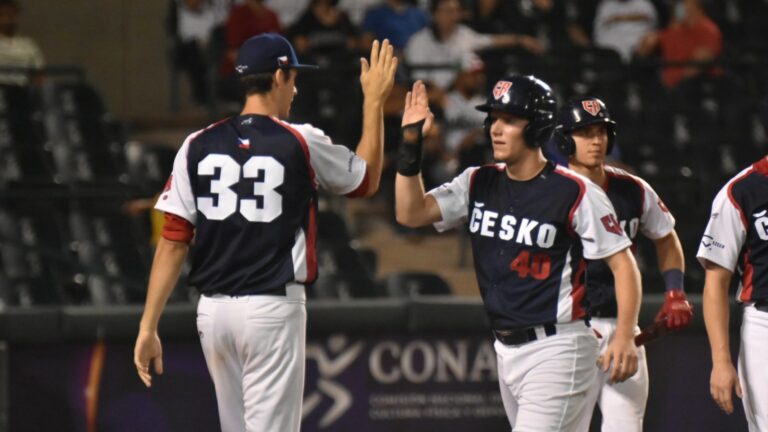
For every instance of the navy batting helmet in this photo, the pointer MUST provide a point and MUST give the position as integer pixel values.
(526, 97)
(579, 113)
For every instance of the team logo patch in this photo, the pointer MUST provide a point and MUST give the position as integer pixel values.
(241, 68)
(611, 224)
(245, 143)
(500, 89)
(591, 106)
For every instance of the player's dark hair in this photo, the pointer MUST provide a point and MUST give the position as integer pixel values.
(257, 83)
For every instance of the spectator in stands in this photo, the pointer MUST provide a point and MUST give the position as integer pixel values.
(464, 139)
(16, 51)
(189, 25)
(248, 19)
(324, 29)
(543, 20)
(288, 11)
(691, 37)
(396, 20)
(356, 9)
(621, 24)
(245, 20)
(580, 16)
(449, 43)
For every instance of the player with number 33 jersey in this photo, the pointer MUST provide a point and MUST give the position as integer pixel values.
(246, 189)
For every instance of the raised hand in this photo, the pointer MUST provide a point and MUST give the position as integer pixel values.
(378, 76)
(417, 108)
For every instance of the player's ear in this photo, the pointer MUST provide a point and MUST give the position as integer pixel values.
(277, 78)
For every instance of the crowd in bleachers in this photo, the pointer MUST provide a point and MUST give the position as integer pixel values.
(681, 77)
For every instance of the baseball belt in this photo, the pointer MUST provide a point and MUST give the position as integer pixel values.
(523, 335)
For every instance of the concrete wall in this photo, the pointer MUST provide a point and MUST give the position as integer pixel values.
(120, 44)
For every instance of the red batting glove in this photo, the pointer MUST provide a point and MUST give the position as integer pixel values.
(676, 310)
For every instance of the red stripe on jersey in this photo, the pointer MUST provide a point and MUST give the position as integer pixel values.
(578, 290)
(312, 229)
(362, 189)
(761, 166)
(582, 190)
(472, 179)
(733, 200)
(746, 279)
(311, 241)
(304, 148)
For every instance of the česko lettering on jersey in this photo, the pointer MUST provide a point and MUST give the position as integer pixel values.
(639, 211)
(249, 185)
(736, 236)
(528, 239)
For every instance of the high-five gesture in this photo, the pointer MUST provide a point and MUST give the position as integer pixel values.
(417, 108)
(378, 77)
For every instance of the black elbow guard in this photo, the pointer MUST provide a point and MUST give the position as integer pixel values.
(409, 153)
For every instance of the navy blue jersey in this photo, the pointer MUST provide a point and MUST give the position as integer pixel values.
(528, 239)
(737, 233)
(639, 210)
(249, 186)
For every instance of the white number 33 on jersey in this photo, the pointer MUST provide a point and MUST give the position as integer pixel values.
(226, 201)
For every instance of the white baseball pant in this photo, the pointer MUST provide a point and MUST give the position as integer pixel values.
(254, 348)
(753, 375)
(544, 383)
(621, 404)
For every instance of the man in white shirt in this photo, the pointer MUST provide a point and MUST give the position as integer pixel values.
(621, 24)
(451, 44)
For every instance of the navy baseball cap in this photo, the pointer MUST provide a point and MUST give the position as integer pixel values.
(266, 53)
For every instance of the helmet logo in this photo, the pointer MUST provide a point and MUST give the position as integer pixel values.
(591, 106)
(500, 89)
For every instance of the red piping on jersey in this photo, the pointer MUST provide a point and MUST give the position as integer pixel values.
(582, 190)
(177, 229)
(311, 240)
(577, 291)
(312, 228)
(362, 189)
(733, 200)
(200, 132)
(304, 147)
(761, 166)
(746, 279)
(611, 173)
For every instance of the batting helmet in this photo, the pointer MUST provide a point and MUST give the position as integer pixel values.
(527, 97)
(579, 113)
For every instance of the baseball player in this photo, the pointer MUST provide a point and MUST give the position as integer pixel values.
(530, 222)
(585, 134)
(737, 238)
(246, 189)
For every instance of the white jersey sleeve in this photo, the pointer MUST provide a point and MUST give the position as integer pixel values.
(594, 220)
(656, 221)
(337, 169)
(453, 199)
(725, 233)
(177, 197)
